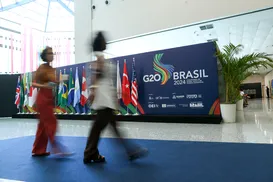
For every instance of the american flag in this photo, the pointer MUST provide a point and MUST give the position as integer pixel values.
(134, 92)
(17, 96)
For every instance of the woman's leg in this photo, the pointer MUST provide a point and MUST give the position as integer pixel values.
(51, 129)
(41, 140)
(50, 125)
(128, 147)
(91, 151)
(133, 151)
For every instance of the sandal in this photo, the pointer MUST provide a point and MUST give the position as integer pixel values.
(98, 159)
(142, 152)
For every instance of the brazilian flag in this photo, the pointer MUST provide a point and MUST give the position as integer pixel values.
(64, 95)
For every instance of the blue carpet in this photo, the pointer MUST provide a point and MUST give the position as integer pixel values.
(168, 161)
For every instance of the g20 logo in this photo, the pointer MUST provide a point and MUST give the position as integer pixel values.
(163, 71)
(152, 78)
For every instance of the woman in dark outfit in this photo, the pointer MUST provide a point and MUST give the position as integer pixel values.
(104, 100)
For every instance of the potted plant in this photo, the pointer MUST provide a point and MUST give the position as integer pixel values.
(240, 104)
(235, 70)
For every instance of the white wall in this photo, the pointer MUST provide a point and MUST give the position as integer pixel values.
(257, 79)
(82, 30)
(126, 18)
(268, 78)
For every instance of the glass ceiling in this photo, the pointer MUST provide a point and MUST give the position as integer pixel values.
(43, 15)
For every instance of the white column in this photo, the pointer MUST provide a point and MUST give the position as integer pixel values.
(83, 28)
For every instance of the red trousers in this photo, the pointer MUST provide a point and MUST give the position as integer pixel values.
(47, 126)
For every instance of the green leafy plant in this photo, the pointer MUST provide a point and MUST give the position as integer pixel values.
(236, 69)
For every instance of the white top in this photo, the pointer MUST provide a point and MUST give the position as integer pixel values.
(106, 93)
(242, 93)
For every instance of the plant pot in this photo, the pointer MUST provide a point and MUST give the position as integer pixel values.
(240, 116)
(240, 105)
(228, 112)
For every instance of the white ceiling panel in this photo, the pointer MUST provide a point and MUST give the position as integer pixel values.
(36, 7)
(253, 31)
(42, 3)
(7, 2)
(34, 14)
(71, 6)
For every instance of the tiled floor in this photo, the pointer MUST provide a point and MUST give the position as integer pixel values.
(254, 125)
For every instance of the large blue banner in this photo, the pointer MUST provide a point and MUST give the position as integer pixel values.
(178, 81)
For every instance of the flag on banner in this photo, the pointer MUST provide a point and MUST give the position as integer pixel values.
(64, 93)
(22, 95)
(32, 96)
(17, 95)
(26, 89)
(84, 95)
(119, 91)
(125, 86)
(60, 90)
(77, 92)
(71, 87)
(134, 92)
(32, 92)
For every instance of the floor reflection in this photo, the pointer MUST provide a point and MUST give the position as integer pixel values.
(254, 125)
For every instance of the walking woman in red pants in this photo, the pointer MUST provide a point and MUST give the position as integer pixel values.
(47, 127)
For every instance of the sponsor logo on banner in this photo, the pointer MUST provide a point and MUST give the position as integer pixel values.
(162, 98)
(178, 96)
(168, 106)
(153, 106)
(165, 72)
(194, 96)
(183, 105)
(196, 105)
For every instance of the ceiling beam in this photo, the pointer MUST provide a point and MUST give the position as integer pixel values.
(65, 7)
(12, 6)
(48, 9)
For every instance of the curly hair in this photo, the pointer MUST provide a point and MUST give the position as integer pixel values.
(44, 52)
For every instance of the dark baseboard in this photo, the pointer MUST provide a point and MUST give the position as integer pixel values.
(139, 118)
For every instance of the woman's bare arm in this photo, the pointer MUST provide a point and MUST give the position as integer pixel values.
(38, 85)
